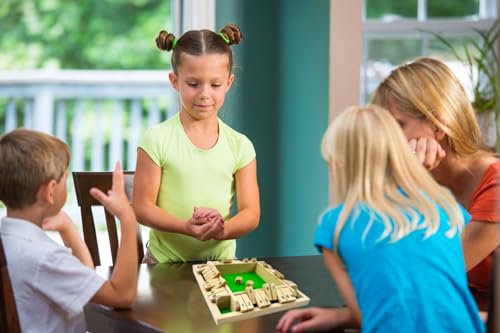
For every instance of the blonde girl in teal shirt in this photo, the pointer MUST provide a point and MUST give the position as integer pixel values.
(391, 239)
(190, 167)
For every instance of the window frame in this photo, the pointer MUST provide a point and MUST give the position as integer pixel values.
(488, 13)
(192, 14)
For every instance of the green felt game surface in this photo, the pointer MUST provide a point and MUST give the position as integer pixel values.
(225, 310)
(231, 278)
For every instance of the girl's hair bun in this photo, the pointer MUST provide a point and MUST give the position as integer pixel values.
(233, 33)
(165, 41)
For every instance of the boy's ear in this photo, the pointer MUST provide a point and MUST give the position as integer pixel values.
(230, 81)
(173, 80)
(46, 192)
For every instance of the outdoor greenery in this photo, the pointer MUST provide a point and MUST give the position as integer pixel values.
(480, 56)
(119, 34)
(408, 8)
(91, 34)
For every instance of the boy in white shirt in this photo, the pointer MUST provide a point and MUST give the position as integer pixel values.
(52, 283)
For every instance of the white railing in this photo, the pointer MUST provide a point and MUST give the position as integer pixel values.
(101, 114)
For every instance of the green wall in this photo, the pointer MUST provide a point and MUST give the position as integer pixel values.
(280, 101)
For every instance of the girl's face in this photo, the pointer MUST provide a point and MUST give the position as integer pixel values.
(202, 83)
(413, 127)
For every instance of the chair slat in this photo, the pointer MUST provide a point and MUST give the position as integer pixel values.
(84, 181)
(112, 234)
(89, 234)
(140, 245)
(9, 320)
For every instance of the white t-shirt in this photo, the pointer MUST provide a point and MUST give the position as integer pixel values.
(51, 286)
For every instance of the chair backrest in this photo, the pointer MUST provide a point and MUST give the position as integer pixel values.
(493, 323)
(9, 320)
(84, 181)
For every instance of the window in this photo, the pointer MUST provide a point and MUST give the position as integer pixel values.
(120, 86)
(396, 31)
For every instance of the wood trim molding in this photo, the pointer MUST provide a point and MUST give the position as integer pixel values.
(345, 55)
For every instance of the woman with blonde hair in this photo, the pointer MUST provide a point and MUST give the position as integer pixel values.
(388, 212)
(433, 109)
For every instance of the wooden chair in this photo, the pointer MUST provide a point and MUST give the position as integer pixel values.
(493, 323)
(84, 181)
(9, 320)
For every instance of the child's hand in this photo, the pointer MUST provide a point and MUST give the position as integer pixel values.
(204, 213)
(69, 235)
(116, 201)
(216, 230)
(206, 223)
(199, 228)
(311, 319)
(59, 222)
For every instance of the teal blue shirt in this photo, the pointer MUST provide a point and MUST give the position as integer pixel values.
(412, 285)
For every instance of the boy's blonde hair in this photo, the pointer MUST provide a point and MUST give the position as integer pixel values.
(29, 159)
(427, 88)
(371, 163)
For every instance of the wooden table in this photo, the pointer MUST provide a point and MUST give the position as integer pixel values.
(169, 300)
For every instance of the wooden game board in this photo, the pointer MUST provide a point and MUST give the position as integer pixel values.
(242, 289)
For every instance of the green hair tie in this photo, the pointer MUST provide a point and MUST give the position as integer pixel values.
(224, 37)
(174, 43)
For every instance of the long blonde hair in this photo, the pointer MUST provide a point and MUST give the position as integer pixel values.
(370, 162)
(427, 88)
